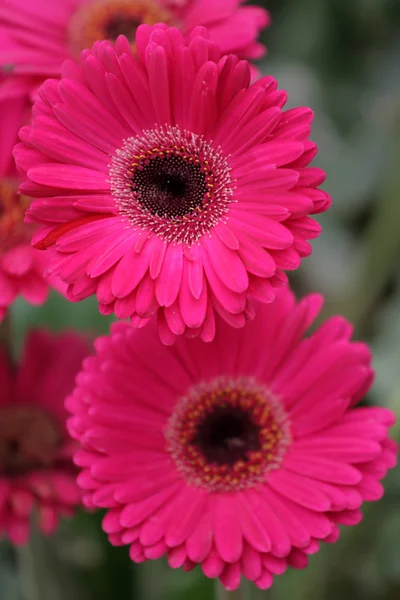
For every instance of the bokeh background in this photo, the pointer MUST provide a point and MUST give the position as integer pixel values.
(341, 57)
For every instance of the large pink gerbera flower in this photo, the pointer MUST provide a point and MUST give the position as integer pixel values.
(43, 35)
(36, 470)
(241, 454)
(167, 185)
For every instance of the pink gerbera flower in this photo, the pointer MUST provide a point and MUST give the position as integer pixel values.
(241, 455)
(15, 106)
(36, 470)
(23, 270)
(167, 185)
(43, 35)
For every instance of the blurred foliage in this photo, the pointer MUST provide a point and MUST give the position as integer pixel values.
(341, 58)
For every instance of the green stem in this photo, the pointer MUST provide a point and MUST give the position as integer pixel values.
(31, 587)
(6, 335)
(42, 575)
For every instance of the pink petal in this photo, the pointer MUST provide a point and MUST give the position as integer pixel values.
(227, 530)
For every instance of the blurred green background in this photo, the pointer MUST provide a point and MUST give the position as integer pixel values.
(341, 57)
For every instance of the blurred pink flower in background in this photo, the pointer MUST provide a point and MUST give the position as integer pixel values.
(15, 104)
(15, 107)
(36, 470)
(166, 185)
(44, 34)
(241, 455)
(23, 270)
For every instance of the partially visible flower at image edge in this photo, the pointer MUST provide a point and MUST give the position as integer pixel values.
(23, 269)
(40, 35)
(167, 185)
(36, 468)
(14, 106)
(241, 455)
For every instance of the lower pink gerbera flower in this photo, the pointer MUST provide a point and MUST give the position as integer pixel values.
(36, 471)
(241, 455)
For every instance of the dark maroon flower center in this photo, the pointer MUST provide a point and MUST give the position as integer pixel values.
(227, 435)
(121, 24)
(29, 439)
(169, 187)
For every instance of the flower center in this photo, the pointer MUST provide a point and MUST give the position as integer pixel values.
(13, 230)
(172, 182)
(120, 24)
(29, 439)
(227, 434)
(169, 187)
(107, 19)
